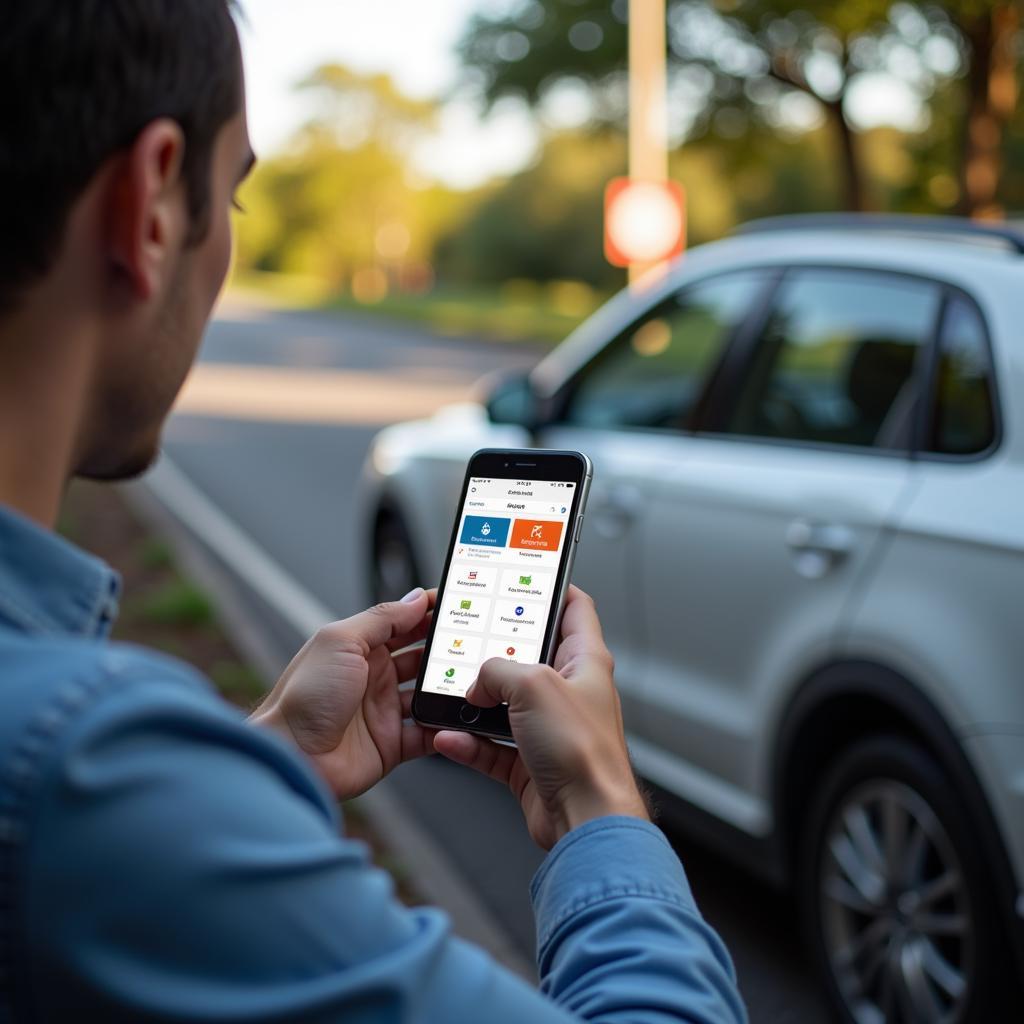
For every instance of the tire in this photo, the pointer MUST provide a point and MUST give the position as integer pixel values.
(393, 569)
(896, 900)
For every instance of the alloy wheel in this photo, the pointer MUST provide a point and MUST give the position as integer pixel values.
(895, 911)
(395, 571)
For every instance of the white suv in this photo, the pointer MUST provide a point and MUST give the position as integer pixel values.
(806, 542)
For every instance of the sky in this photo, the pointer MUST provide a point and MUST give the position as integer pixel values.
(413, 41)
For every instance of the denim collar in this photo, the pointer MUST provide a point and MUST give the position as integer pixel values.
(49, 586)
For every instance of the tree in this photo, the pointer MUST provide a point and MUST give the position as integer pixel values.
(744, 61)
(543, 223)
(339, 201)
(356, 109)
(991, 31)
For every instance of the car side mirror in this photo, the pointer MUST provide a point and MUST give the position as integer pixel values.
(511, 399)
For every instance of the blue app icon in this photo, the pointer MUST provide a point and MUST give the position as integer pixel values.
(485, 531)
(520, 610)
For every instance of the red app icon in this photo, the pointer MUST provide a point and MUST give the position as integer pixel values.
(510, 651)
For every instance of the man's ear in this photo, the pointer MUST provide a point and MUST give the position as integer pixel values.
(147, 215)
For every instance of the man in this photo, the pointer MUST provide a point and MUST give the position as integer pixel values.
(161, 860)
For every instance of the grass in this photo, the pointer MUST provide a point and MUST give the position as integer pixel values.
(175, 603)
(155, 554)
(238, 682)
(518, 311)
(67, 525)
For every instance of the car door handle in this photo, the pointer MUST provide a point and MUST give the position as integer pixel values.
(818, 547)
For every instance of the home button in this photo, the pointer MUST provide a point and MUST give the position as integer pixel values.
(469, 714)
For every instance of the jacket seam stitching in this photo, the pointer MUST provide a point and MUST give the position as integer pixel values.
(12, 607)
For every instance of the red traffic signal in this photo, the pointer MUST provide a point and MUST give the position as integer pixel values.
(644, 221)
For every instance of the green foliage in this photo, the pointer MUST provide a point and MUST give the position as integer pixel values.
(758, 99)
(544, 223)
(547, 222)
(316, 210)
(237, 682)
(751, 52)
(519, 309)
(734, 65)
(760, 174)
(319, 208)
(68, 525)
(156, 554)
(177, 603)
(523, 52)
(356, 109)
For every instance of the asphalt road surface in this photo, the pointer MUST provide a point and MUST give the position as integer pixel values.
(273, 428)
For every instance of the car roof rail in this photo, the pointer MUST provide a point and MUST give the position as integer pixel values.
(959, 228)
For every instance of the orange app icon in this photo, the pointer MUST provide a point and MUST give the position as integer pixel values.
(537, 535)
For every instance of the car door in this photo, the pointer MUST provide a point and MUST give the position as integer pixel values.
(754, 542)
(944, 603)
(627, 410)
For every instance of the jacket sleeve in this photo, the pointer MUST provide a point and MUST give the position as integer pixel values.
(181, 865)
(619, 936)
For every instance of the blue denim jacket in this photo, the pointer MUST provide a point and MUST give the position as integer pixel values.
(161, 860)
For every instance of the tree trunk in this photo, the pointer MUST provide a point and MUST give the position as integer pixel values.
(853, 195)
(785, 67)
(991, 99)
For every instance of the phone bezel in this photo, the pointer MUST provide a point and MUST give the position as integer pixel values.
(441, 711)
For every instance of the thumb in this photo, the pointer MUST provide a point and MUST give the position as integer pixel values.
(521, 687)
(488, 758)
(384, 621)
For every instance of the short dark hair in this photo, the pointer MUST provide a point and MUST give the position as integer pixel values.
(79, 80)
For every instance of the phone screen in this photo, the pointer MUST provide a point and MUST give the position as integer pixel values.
(502, 579)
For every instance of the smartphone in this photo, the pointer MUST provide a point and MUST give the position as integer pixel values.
(504, 581)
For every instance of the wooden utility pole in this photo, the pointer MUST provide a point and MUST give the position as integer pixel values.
(648, 111)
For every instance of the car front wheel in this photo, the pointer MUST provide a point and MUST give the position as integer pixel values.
(394, 571)
(897, 901)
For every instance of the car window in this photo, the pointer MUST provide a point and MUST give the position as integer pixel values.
(963, 419)
(836, 360)
(653, 373)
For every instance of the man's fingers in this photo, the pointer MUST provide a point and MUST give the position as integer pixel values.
(416, 741)
(416, 635)
(581, 631)
(407, 664)
(405, 698)
(419, 630)
(488, 758)
(580, 619)
(383, 622)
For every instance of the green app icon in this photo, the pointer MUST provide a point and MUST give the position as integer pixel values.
(525, 581)
(450, 673)
(465, 605)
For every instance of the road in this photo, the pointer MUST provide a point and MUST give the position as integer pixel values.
(273, 428)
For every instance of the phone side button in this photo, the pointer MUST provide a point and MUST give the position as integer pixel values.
(468, 714)
(579, 528)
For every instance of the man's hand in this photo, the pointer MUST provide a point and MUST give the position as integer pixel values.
(339, 701)
(572, 763)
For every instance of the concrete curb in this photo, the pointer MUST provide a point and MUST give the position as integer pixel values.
(210, 549)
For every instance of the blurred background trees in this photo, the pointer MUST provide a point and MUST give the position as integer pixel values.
(340, 203)
(776, 106)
